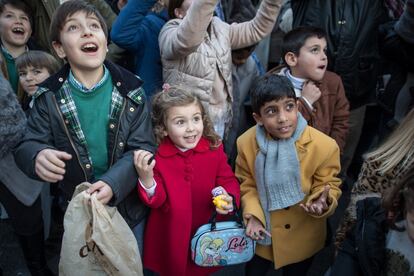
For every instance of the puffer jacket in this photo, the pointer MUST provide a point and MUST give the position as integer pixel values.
(192, 48)
(352, 36)
(51, 126)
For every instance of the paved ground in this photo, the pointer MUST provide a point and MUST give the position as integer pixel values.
(11, 258)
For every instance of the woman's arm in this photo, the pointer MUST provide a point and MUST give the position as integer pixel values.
(251, 32)
(128, 28)
(181, 37)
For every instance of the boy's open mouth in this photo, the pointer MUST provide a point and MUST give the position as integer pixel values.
(18, 30)
(89, 48)
(321, 67)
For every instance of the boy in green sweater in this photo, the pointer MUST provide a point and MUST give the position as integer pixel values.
(88, 118)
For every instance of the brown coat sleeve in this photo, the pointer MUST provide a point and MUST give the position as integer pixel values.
(340, 120)
(331, 112)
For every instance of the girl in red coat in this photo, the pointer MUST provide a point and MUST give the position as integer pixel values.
(189, 164)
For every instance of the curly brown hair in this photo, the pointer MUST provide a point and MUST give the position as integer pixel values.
(179, 96)
(400, 200)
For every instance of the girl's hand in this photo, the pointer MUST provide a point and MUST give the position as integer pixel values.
(319, 205)
(144, 164)
(226, 204)
(254, 228)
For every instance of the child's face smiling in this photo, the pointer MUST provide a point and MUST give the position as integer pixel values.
(312, 60)
(279, 118)
(15, 27)
(30, 77)
(82, 42)
(184, 125)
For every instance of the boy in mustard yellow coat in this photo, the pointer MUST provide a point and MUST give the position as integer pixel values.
(289, 185)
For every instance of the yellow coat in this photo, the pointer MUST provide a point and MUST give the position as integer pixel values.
(296, 235)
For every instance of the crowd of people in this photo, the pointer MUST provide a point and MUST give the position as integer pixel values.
(158, 103)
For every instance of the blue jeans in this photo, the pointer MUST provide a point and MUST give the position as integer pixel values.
(138, 231)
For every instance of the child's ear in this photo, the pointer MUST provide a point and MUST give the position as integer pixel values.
(57, 46)
(258, 119)
(177, 13)
(291, 59)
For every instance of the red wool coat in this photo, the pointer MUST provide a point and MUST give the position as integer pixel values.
(182, 202)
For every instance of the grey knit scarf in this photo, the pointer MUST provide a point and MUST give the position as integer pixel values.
(278, 172)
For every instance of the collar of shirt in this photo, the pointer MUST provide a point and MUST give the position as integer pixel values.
(73, 81)
(297, 82)
(8, 55)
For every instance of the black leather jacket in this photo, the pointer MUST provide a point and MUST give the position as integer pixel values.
(363, 251)
(47, 128)
(352, 36)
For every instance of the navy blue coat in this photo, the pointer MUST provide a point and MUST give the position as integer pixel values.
(136, 29)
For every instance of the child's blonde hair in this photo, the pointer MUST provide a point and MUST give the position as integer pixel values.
(179, 96)
(398, 148)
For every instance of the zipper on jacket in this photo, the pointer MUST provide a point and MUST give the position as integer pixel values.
(116, 133)
(70, 139)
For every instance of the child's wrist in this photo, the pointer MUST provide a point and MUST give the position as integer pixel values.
(147, 183)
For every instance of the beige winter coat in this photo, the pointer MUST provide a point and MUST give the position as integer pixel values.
(196, 50)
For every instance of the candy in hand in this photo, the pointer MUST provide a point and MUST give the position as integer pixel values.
(219, 201)
(217, 191)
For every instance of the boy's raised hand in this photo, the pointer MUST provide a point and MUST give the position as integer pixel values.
(319, 205)
(103, 191)
(311, 92)
(144, 164)
(254, 228)
(50, 165)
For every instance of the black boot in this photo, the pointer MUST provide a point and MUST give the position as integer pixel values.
(34, 253)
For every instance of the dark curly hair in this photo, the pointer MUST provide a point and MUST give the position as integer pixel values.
(179, 96)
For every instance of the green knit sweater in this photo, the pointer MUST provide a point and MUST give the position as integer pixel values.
(93, 111)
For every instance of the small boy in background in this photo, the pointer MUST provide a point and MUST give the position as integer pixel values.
(27, 201)
(88, 118)
(33, 68)
(15, 31)
(289, 187)
(321, 94)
